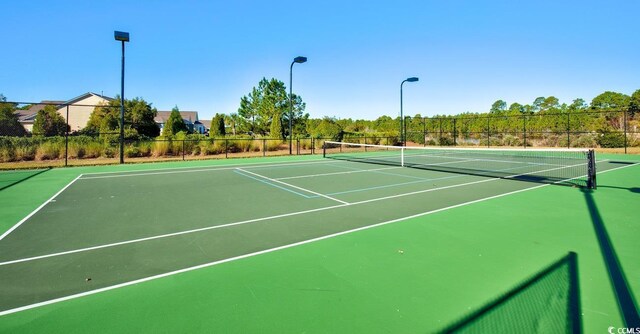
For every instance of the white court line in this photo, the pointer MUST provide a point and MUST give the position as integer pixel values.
(270, 250)
(234, 224)
(292, 186)
(38, 208)
(218, 168)
(338, 173)
(249, 221)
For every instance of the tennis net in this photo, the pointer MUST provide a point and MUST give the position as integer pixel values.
(573, 167)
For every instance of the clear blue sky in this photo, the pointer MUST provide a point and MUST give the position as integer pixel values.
(205, 55)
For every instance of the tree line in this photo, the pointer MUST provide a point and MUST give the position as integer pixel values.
(264, 112)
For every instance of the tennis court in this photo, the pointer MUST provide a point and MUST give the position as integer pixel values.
(307, 244)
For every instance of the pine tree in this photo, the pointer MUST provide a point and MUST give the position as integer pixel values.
(276, 126)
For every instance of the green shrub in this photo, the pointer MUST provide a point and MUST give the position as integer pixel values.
(161, 147)
(510, 140)
(585, 140)
(196, 150)
(76, 150)
(131, 151)
(50, 150)
(610, 139)
(109, 152)
(93, 150)
(273, 145)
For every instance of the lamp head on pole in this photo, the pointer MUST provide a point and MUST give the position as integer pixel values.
(300, 60)
(121, 36)
(412, 79)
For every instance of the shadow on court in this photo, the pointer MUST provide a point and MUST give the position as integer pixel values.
(11, 178)
(623, 294)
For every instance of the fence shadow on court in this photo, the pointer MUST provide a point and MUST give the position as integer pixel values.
(549, 302)
(11, 178)
(626, 302)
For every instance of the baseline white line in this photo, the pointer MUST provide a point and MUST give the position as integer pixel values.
(38, 208)
(292, 186)
(210, 264)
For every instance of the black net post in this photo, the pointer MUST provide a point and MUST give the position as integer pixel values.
(264, 147)
(226, 148)
(183, 150)
(591, 170)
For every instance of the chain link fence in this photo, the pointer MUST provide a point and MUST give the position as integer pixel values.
(21, 148)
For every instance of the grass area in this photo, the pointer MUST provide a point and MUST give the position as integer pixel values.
(451, 262)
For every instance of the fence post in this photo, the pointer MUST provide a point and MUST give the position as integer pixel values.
(455, 143)
(264, 147)
(568, 130)
(440, 135)
(524, 130)
(66, 139)
(226, 148)
(488, 132)
(183, 150)
(624, 125)
(424, 131)
(313, 146)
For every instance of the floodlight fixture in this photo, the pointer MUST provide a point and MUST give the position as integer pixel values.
(296, 60)
(403, 129)
(121, 36)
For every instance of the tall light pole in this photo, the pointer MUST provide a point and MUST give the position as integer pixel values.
(123, 37)
(402, 129)
(298, 60)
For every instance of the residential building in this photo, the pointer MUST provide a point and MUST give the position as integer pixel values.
(190, 118)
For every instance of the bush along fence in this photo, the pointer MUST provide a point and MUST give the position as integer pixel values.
(586, 128)
(598, 129)
(81, 150)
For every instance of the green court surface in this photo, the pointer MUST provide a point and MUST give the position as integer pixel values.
(303, 244)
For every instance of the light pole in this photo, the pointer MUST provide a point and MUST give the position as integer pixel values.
(123, 37)
(298, 60)
(402, 129)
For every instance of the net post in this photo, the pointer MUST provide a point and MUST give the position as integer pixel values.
(324, 149)
(591, 169)
(402, 156)
(264, 147)
(226, 148)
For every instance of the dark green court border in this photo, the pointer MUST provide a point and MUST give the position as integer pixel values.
(618, 191)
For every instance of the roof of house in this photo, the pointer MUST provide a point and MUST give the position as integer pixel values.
(86, 95)
(28, 115)
(163, 116)
(206, 123)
